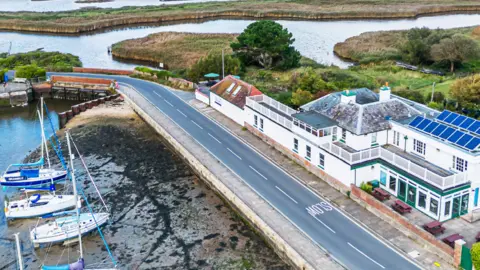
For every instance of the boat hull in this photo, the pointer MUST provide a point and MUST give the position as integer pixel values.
(46, 205)
(63, 229)
(13, 179)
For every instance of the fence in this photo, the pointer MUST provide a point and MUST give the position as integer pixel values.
(254, 103)
(352, 158)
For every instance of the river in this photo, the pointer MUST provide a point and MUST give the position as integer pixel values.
(314, 39)
(63, 5)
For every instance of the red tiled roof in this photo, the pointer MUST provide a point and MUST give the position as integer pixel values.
(236, 96)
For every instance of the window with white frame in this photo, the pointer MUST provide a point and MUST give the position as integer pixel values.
(321, 158)
(295, 145)
(374, 138)
(255, 120)
(422, 199)
(396, 138)
(334, 132)
(459, 164)
(309, 152)
(434, 206)
(261, 124)
(344, 134)
(419, 146)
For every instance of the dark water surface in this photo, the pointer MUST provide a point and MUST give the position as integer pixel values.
(314, 39)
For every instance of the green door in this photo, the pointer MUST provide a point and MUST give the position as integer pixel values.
(411, 195)
(402, 190)
(466, 259)
(456, 207)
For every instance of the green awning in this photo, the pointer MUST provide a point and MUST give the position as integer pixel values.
(211, 75)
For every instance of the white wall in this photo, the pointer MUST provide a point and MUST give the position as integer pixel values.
(270, 128)
(227, 108)
(202, 97)
(357, 142)
(366, 174)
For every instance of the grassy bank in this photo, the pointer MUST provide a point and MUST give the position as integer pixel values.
(85, 20)
(176, 50)
(51, 61)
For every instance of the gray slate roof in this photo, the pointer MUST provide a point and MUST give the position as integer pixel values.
(367, 115)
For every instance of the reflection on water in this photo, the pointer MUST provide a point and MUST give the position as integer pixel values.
(20, 130)
(62, 5)
(314, 39)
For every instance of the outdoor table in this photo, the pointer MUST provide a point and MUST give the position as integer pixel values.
(401, 207)
(434, 227)
(380, 194)
(477, 238)
(450, 240)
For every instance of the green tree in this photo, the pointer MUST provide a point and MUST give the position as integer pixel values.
(212, 63)
(456, 49)
(309, 81)
(29, 71)
(475, 252)
(467, 90)
(267, 44)
(301, 97)
(416, 50)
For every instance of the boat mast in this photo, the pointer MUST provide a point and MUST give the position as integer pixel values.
(19, 252)
(41, 123)
(75, 194)
(44, 138)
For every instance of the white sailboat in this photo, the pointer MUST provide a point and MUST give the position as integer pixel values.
(33, 174)
(66, 228)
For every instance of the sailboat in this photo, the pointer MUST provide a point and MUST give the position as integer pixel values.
(33, 174)
(66, 228)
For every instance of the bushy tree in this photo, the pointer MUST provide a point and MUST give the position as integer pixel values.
(266, 44)
(416, 50)
(301, 97)
(475, 252)
(309, 81)
(29, 71)
(456, 49)
(438, 97)
(467, 90)
(212, 63)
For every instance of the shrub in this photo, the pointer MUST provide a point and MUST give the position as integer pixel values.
(475, 252)
(366, 187)
(435, 105)
(29, 71)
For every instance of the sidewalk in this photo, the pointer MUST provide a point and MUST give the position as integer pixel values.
(372, 223)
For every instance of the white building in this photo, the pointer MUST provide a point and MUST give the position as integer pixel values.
(426, 158)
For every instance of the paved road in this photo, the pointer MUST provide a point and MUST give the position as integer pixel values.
(345, 240)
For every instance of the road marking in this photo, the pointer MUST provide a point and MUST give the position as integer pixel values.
(181, 113)
(286, 195)
(234, 154)
(257, 172)
(326, 226)
(157, 94)
(168, 102)
(319, 208)
(196, 124)
(215, 138)
(365, 255)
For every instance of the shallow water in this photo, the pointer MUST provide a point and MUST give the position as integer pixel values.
(314, 39)
(62, 5)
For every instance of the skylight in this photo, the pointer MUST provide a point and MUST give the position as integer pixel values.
(229, 89)
(236, 90)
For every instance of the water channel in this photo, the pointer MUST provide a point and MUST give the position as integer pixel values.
(314, 39)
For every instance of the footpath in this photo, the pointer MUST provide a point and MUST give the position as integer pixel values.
(422, 254)
(287, 241)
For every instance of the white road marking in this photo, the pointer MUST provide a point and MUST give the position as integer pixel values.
(181, 113)
(286, 195)
(234, 153)
(168, 102)
(215, 138)
(157, 94)
(196, 124)
(326, 226)
(365, 255)
(257, 172)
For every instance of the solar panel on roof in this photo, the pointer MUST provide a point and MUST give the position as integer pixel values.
(473, 144)
(448, 131)
(439, 130)
(455, 136)
(464, 140)
(431, 127)
(416, 121)
(451, 117)
(459, 120)
(424, 123)
(443, 115)
(478, 131)
(466, 123)
(473, 127)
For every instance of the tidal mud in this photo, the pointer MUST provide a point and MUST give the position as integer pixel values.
(163, 216)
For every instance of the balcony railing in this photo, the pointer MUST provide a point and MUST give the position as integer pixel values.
(352, 158)
(442, 182)
(254, 102)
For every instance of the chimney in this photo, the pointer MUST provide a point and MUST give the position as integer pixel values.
(385, 92)
(348, 96)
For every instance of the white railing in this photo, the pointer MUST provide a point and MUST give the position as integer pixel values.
(352, 158)
(442, 182)
(254, 102)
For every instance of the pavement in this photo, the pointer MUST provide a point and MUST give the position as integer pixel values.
(325, 224)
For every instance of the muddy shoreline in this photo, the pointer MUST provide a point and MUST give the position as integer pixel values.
(163, 216)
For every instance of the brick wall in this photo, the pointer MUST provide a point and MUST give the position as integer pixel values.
(332, 181)
(398, 221)
(55, 79)
(102, 71)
